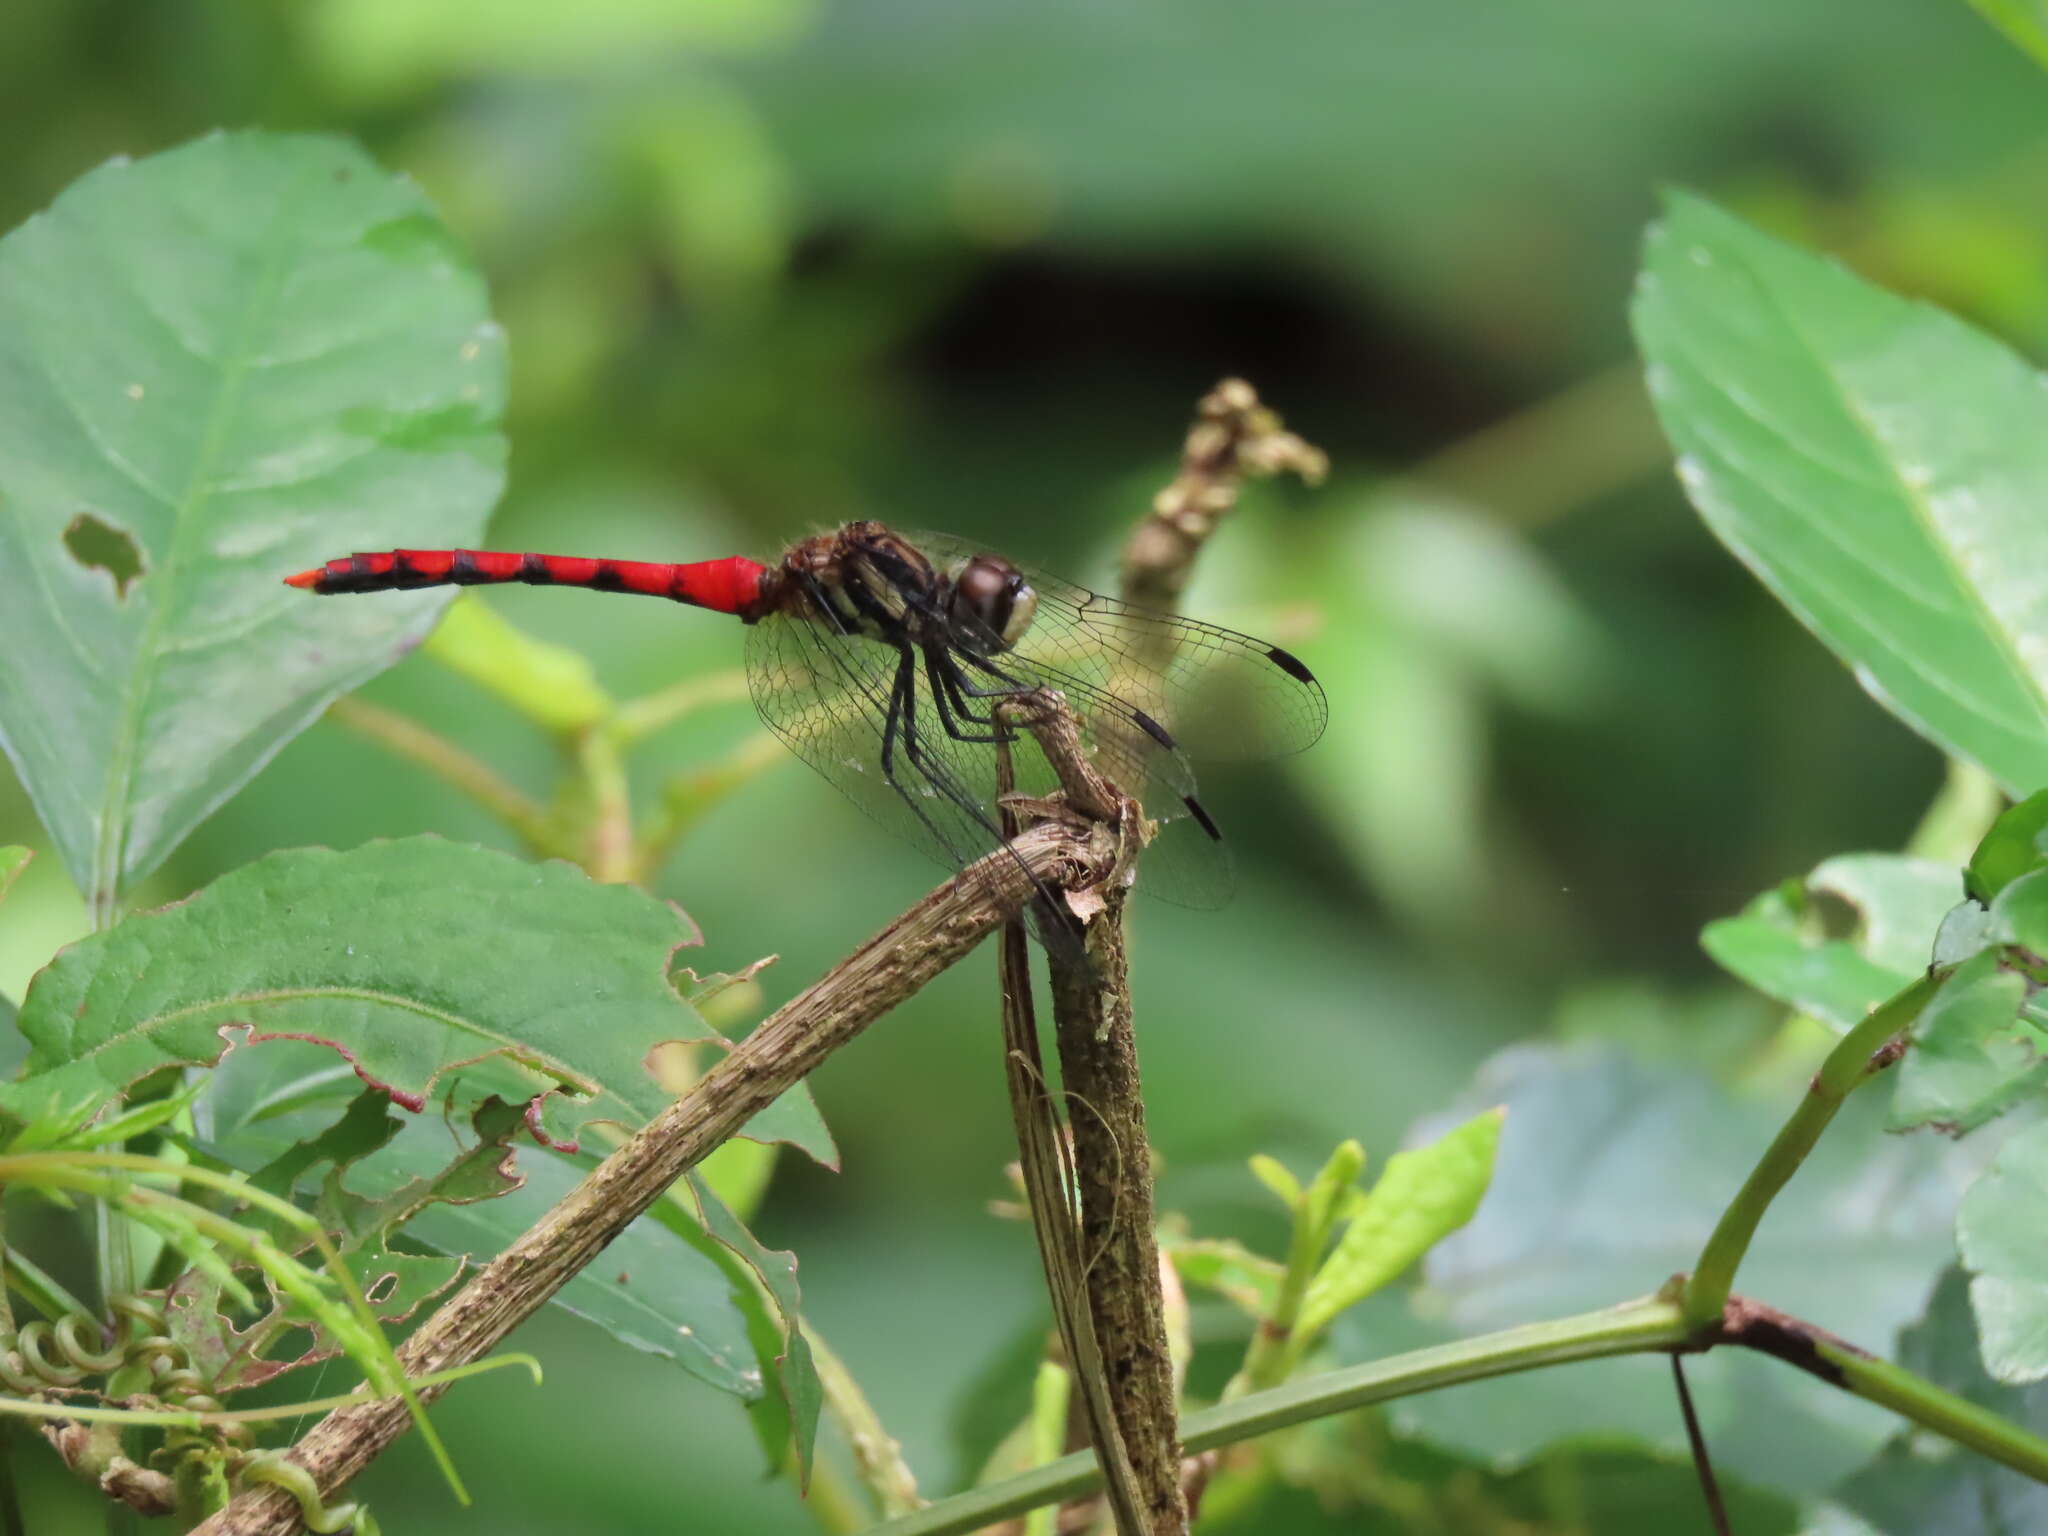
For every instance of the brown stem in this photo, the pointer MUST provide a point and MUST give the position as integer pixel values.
(1113, 1173)
(888, 968)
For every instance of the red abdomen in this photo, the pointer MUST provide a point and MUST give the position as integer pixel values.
(731, 585)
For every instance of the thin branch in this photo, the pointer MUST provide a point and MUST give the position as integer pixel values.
(791, 1043)
(1836, 1361)
(1852, 1060)
(876, 1455)
(1655, 1324)
(441, 757)
(1710, 1488)
(639, 718)
(1652, 1323)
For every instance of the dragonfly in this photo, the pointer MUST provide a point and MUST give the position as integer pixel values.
(883, 660)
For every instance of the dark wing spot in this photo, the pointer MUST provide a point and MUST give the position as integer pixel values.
(1289, 663)
(1154, 729)
(1201, 816)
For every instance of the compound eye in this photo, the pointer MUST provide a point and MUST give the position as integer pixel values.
(1023, 608)
(991, 599)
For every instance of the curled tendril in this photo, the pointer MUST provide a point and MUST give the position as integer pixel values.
(272, 1467)
(49, 1356)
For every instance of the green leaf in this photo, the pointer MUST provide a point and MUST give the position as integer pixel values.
(1973, 1055)
(1998, 1233)
(1916, 1486)
(1423, 1195)
(1250, 1281)
(2020, 914)
(787, 1418)
(1277, 1178)
(432, 968)
(1878, 464)
(2024, 21)
(2014, 846)
(218, 366)
(383, 46)
(1610, 1174)
(652, 1290)
(13, 860)
(1782, 944)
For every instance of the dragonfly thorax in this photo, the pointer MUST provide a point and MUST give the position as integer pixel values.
(870, 581)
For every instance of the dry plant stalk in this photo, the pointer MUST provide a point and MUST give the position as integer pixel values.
(792, 1042)
(1045, 1155)
(1234, 438)
(1098, 1051)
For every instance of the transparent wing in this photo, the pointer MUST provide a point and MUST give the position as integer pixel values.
(1220, 695)
(829, 697)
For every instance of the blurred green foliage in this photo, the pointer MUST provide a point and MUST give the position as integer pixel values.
(765, 265)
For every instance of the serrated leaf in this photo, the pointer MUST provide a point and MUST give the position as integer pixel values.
(1998, 1233)
(433, 968)
(1973, 1055)
(1878, 464)
(1914, 1487)
(216, 366)
(1423, 1195)
(1780, 946)
(2016, 845)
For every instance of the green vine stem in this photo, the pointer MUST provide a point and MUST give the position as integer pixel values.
(1650, 1325)
(1848, 1064)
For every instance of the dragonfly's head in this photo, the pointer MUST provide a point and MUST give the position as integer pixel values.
(990, 602)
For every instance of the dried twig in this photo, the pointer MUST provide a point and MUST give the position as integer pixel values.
(1113, 1173)
(890, 967)
(1045, 1158)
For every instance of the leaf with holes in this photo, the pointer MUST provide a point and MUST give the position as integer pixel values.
(281, 1108)
(433, 969)
(1878, 464)
(216, 366)
(238, 1354)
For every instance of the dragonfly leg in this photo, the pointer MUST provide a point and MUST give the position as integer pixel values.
(900, 726)
(952, 705)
